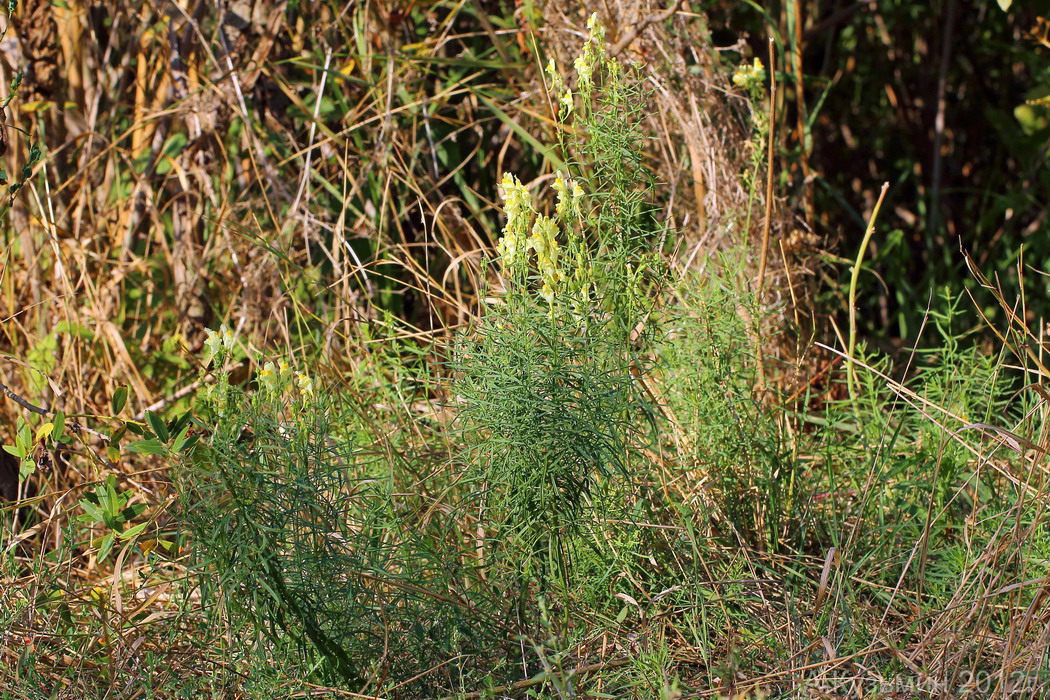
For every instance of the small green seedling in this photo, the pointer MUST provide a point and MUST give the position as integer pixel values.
(107, 506)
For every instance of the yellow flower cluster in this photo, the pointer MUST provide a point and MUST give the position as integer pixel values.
(750, 76)
(592, 58)
(217, 343)
(517, 202)
(275, 378)
(593, 54)
(528, 231)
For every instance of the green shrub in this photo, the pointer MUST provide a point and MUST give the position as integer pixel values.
(301, 519)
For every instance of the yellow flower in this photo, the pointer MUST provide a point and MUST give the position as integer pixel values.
(544, 240)
(562, 189)
(268, 378)
(597, 30)
(547, 292)
(584, 72)
(569, 195)
(212, 345)
(306, 384)
(577, 194)
(554, 75)
(565, 103)
(227, 336)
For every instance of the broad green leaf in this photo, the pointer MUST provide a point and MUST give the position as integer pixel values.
(157, 426)
(120, 397)
(132, 512)
(177, 425)
(26, 469)
(92, 513)
(133, 531)
(105, 546)
(44, 431)
(25, 436)
(60, 426)
(147, 447)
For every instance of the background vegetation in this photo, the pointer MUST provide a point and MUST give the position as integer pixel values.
(300, 403)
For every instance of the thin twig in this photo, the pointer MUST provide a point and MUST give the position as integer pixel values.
(158, 405)
(528, 683)
(768, 221)
(33, 408)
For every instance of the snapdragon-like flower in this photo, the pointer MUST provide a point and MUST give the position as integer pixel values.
(306, 384)
(217, 344)
(593, 54)
(212, 345)
(565, 104)
(597, 36)
(227, 337)
(268, 378)
(750, 76)
(555, 77)
(562, 189)
(584, 71)
(569, 196)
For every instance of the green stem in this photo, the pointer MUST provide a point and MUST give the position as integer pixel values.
(851, 369)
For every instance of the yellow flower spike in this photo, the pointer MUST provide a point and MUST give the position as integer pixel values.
(518, 206)
(594, 49)
(284, 369)
(596, 28)
(577, 197)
